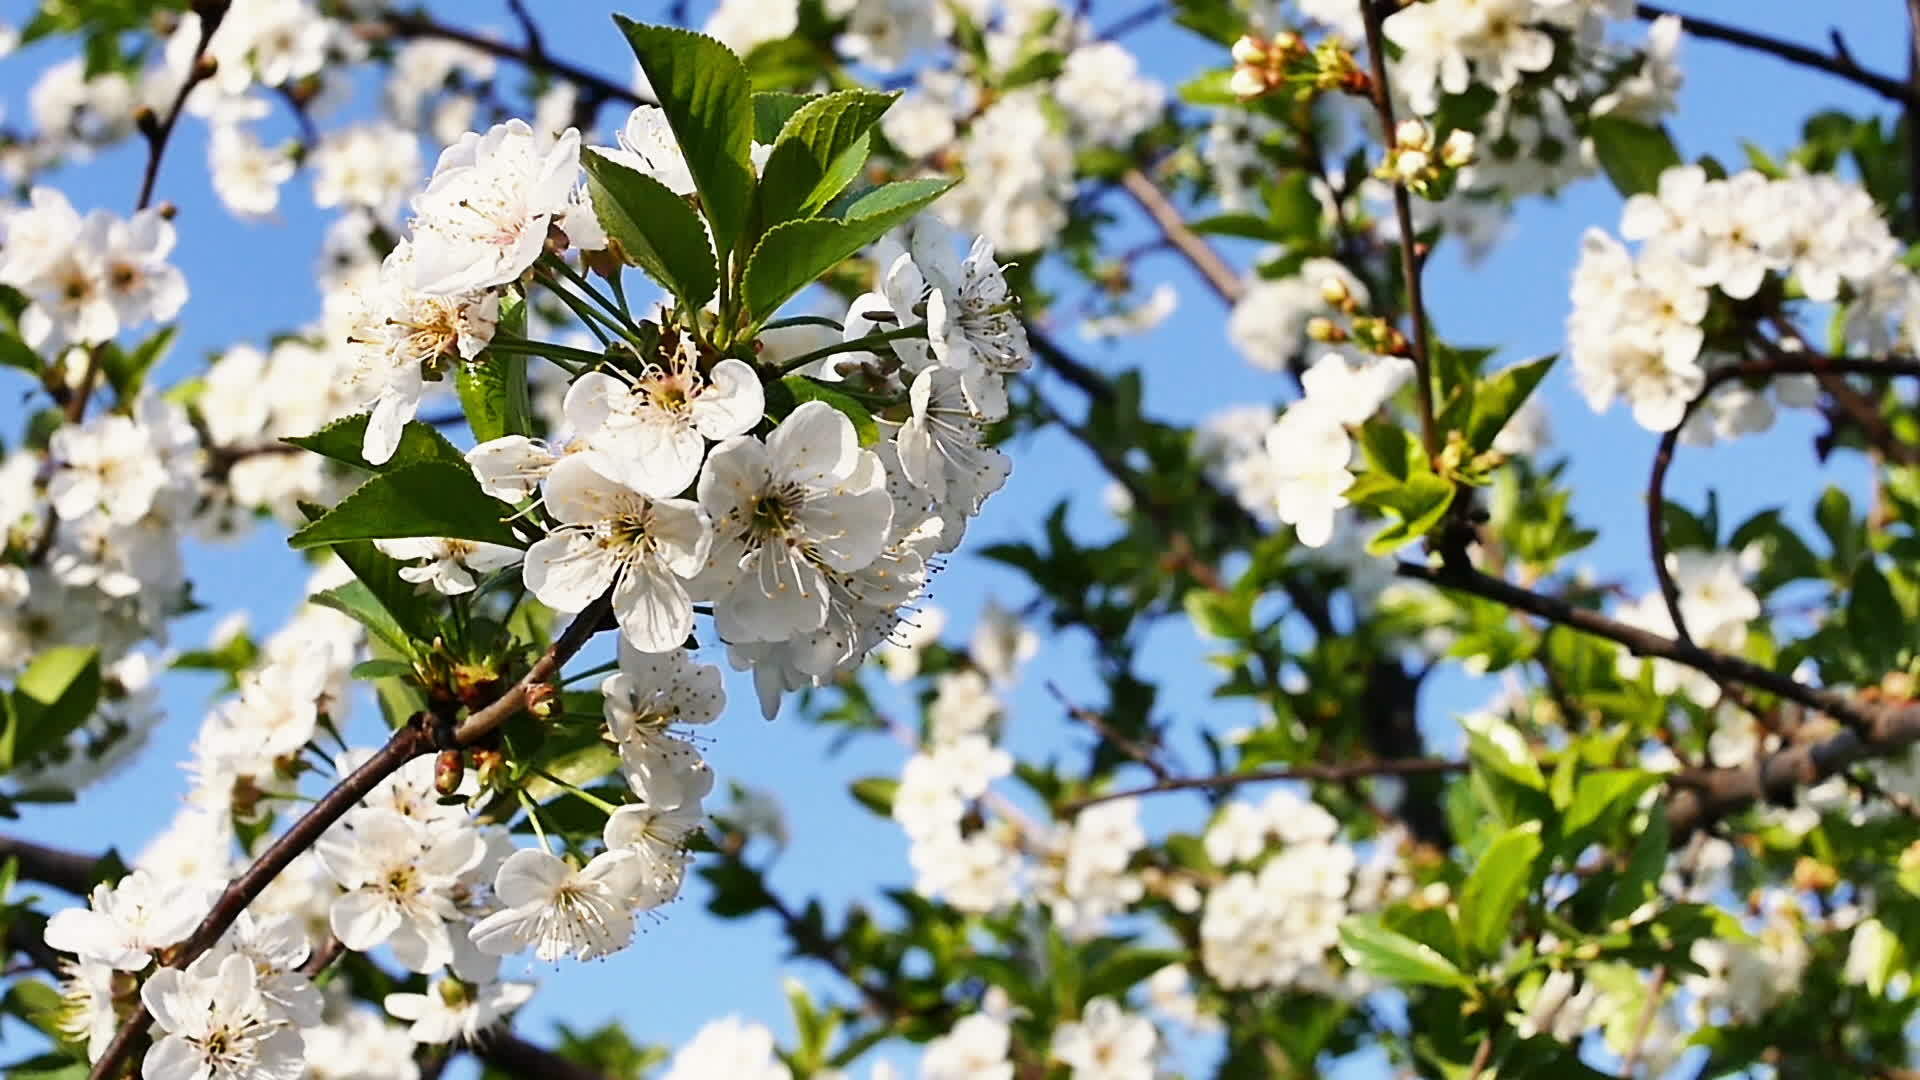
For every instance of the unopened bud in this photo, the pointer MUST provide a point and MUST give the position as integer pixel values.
(205, 69)
(540, 700)
(1249, 50)
(1334, 291)
(1247, 82)
(448, 770)
(1458, 148)
(1812, 875)
(490, 767)
(146, 121)
(1325, 330)
(168, 210)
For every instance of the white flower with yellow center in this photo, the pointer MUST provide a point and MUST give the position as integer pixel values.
(559, 909)
(651, 434)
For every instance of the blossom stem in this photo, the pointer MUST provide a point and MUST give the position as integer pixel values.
(594, 319)
(577, 791)
(859, 344)
(617, 310)
(597, 669)
(533, 817)
(548, 349)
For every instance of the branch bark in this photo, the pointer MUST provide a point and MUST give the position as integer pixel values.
(1838, 63)
(68, 871)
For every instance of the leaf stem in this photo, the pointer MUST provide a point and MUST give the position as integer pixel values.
(576, 790)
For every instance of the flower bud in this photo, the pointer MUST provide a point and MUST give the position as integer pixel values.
(1458, 148)
(490, 767)
(1325, 330)
(1412, 134)
(1334, 291)
(1249, 51)
(1247, 82)
(448, 770)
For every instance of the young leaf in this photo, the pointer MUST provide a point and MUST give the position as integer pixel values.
(1633, 154)
(493, 386)
(1497, 397)
(656, 228)
(413, 611)
(426, 499)
(1394, 957)
(358, 603)
(793, 254)
(126, 371)
(820, 149)
(704, 91)
(1497, 885)
(1875, 623)
(876, 793)
(341, 440)
(54, 695)
(771, 108)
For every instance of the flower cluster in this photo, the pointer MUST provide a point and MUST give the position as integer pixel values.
(87, 279)
(1639, 329)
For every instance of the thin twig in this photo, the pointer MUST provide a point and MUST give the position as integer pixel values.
(415, 24)
(1838, 63)
(1329, 773)
(1411, 261)
(1130, 747)
(1645, 1024)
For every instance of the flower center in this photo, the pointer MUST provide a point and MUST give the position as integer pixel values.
(774, 513)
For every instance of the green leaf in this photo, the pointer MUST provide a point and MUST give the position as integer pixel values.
(1499, 881)
(1396, 958)
(1420, 503)
(1497, 397)
(793, 254)
(414, 611)
(656, 228)
(55, 694)
(427, 499)
(771, 108)
(821, 148)
(1601, 794)
(1640, 881)
(14, 353)
(382, 669)
(341, 441)
(1875, 623)
(1250, 226)
(126, 371)
(704, 91)
(358, 603)
(1633, 154)
(493, 385)
(804, 389)
(876, 793)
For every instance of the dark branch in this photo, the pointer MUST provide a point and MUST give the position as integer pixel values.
(67, 871)
(1839, 62)
(1329, 773)
(591, 85)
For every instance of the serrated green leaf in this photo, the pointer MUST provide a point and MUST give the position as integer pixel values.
(771, 108)
(341, 441)
(1499, 881)
(493, 386)
(821, 147)
(427, 499)
(381, 669)
(704, 91)
(1497, 397)
(1633, 154)
(793, 254)
(655, 227)
(357, 602)
(1396, 958)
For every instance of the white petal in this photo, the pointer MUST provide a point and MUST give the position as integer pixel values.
(362, 920)
(568, 570)
(529, 876)
(815, 445)
(732, 402)
(653, 610)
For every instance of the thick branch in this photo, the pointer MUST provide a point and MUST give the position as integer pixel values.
(517, 1057)
(407, 743)
(1838, 62)
(67, 871)
(1219, 276)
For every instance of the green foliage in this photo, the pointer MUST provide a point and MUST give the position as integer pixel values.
(793, 254)
(704, 91)
(1632, 154)
(429, 498)
(341, 441)
(1501, 880)
(655, 228)
(795, 390)
(820, 149)
(56, 693)
(1395, 957)
(493, 386)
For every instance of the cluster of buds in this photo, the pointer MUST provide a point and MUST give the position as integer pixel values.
(1425, 169)
(1263, 65)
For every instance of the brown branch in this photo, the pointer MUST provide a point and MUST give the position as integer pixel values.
(1130, 747)
(1218, 274)
(1329, 773)
(515, 1056)
(1839, 62)
(1644, 1025)
(1778, 364)
(592, 85)
(159, 132)
(1411, 261)
(68, 871)
(408, 742)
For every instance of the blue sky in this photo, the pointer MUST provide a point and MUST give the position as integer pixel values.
(251, 280)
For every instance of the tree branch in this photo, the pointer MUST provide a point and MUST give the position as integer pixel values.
(407, 743)
(421, 25)
(68, 871)
(1838, 63)
(1218, 274)
(1330, 773)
